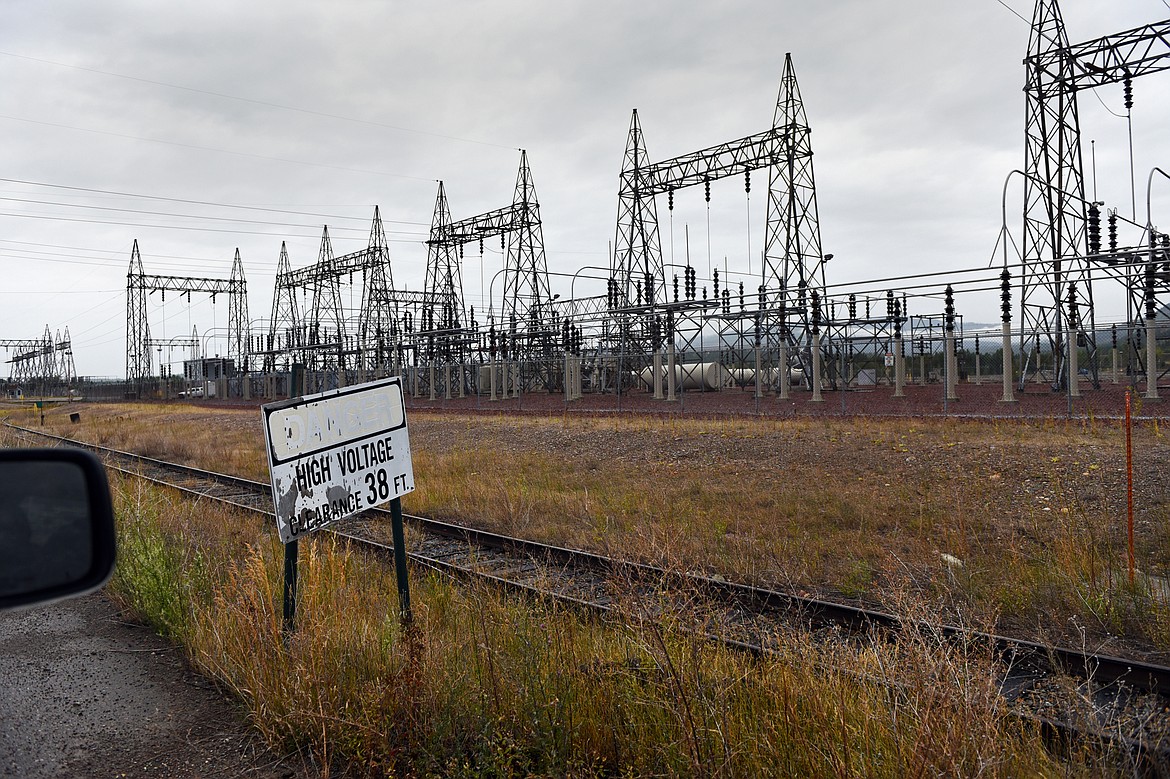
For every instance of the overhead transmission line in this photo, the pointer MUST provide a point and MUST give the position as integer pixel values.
(202, 202)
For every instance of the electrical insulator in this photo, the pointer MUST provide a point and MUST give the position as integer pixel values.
(707, 189)
(977, 343)
(1127, 90)
(704, 295)
(763, 296)
(1112, 230)
(949, 298)
(1072, 305)
(676, 288)
(670, 199)
(638, 286)
(747, 181)
(816, 312)
(741, 296)
(889, 303)
(716, 282)
(726, 301)
(1114, 329)
(852, 306)
(1094, 229)
(898, 319)
(649, 289)
(1005, 295)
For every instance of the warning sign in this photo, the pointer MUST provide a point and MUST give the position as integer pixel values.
(337, 453)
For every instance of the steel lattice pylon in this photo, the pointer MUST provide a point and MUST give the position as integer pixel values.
(526, 294)
(238, 345)
(526, 314)
(322, 333)
(1057, 265)
(794, 263)
(137, 326)
(139, 285)
(284, 327)
(45, 361)
(793, 267)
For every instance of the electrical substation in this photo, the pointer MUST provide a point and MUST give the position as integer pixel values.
(785, 328)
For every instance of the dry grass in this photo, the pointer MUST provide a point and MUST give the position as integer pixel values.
(485, 685)
(1014, 523)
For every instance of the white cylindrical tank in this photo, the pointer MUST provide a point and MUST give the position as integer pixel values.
(696, 376)
(747, 376)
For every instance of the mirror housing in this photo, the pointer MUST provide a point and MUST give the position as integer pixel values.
(56, 525)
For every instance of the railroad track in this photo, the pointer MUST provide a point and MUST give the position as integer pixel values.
(1127, 700)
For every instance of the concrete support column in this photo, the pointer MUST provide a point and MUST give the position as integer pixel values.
(1008, 380)
(899, 370)
(671, 362)
(785, 379)
(759, 373)
(951, 365)
(657, 370)
(1074, 378)
(431, 377)
(1151, 360)
(1115, 365)
(495, 371)
(816, 368)
(247, 387)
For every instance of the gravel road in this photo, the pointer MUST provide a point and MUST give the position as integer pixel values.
(85, 694)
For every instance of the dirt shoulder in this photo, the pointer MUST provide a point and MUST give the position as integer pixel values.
(84, 693)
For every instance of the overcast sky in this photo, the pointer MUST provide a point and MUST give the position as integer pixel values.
(322, 110)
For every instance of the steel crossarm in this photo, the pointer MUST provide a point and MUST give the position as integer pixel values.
(716, 162)
(486, 225)
(1107, 60)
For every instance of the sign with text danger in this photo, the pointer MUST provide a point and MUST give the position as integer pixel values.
(337, 453)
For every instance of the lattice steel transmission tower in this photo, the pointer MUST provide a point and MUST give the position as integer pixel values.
(137, 326)
(139, 285)
(526, 292)
(284, 327)
(378, 332)
(526, 315)
(238, 345)
(1057, 263)
(324, 334)
(444, 279)
(45, 361)
(794, 264)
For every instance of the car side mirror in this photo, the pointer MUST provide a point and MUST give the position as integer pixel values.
(56, 525)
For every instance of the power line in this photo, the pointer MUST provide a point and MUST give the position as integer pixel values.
(1001, 2)
(173, 227)
(213, 149)
(183, 216)
(200, 202)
